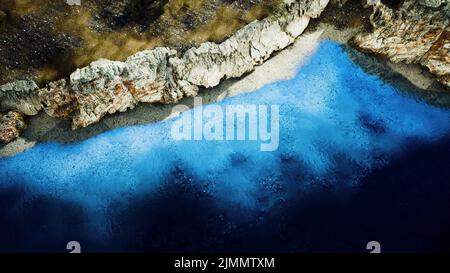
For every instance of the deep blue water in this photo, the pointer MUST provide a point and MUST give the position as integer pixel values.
(358, 161)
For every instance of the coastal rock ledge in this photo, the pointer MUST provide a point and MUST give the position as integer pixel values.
(160, 75)
(11, 124)
(417, 32)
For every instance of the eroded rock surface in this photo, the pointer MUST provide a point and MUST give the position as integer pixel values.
(20, 96)
(437, 59)
(159, 75)
(418, 32)
(11, 124)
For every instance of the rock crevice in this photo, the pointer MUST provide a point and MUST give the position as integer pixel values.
(418, 32)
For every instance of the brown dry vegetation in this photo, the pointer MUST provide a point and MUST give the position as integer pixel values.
(48, 39)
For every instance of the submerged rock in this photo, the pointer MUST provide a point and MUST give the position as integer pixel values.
(11, 124)
(417, 32)
(437, 59)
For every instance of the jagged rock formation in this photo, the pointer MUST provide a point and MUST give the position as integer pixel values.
(418, 32)
(10, 126)
(159, 75)
(20, 96)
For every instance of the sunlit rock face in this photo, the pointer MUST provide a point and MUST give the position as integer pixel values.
(62, 35)
(159, 75)
(417, 32)
(133, 188)
(20, 96)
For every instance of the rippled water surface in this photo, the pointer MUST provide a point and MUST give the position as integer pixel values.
(358, 161)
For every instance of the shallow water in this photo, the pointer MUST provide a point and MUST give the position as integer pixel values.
(358, 161)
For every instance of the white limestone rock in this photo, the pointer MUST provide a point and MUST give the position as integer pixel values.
(20, 96)
(160, 75)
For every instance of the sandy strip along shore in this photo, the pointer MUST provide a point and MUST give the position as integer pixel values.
(283, 65)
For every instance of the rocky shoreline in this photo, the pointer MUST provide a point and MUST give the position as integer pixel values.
(161, 76)
(417, 32)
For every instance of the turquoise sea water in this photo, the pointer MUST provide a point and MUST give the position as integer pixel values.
(128, 188)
